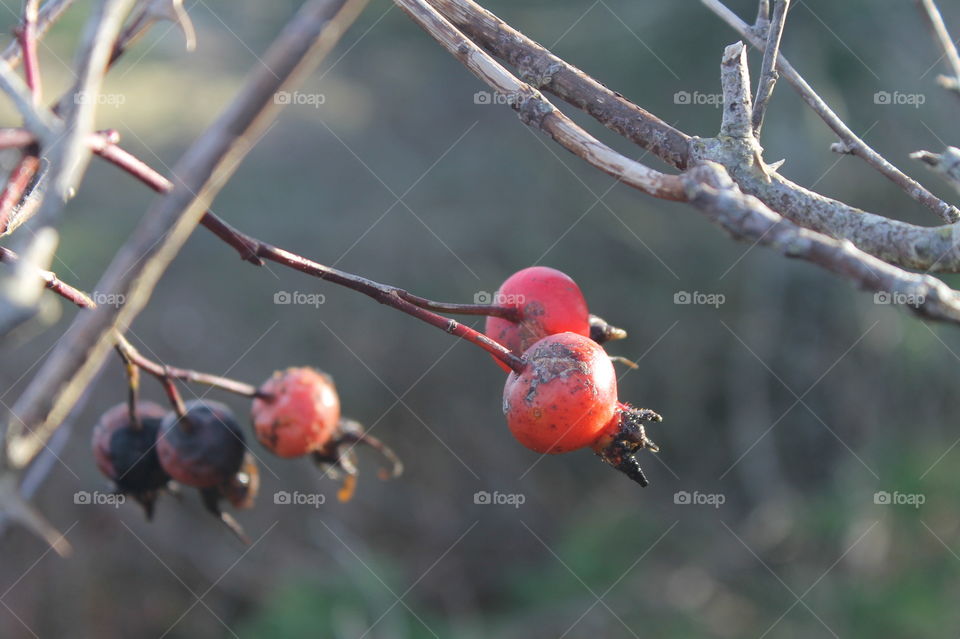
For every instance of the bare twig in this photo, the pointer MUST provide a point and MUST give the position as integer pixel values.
(161, 371)
(747, 218)
(929, 9)
(947, 212)
(200, 173)
(543, 70)
(28, 43)
(49, 14)
(69, 153)
(768, 70)
(737, 103)
(537, 111)
(946, 164)
(52, 282)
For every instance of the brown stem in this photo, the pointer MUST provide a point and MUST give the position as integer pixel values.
(256, 251)
(52, 282)
(27, 35)
(164, 373)
(17, 183)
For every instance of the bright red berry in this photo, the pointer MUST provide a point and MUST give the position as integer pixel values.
(204, 448)
(301, 415)
(548, 302)
(125, 452)
(566, 396)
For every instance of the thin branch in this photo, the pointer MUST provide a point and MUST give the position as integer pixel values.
(49, 14)
(946, 164)
(138, 265)
(947, 212)
(162, 372)
(537, 111)
(746, 218)
(768, 70)
(542, 70)
(28, 43)
(52, 282)
(255, 251)
(735, 83)
(929, 9)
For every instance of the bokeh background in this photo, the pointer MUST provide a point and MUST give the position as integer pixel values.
(793, 402)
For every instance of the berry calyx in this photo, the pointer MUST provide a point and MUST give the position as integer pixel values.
(124, 451)
(566, 396)
(624, 438)
(301, 414)
(204, 447)
(548, 301)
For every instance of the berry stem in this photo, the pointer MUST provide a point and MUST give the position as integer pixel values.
(133, 388)
(509, 313)
(166, 373)
(256, 251)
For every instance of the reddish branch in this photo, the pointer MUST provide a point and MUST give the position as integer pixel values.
(52, 282)
(165, 373)
(27, 34)
(256, 251)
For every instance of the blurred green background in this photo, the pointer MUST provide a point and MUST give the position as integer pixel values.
(793, 402)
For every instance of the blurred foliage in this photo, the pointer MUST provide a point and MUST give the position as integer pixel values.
(797, 399)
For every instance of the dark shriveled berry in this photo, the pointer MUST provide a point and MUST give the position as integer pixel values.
(126, 452)
(204, 448)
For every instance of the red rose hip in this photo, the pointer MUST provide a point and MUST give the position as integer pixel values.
(301, 415)
(548, 301)
(566, 396)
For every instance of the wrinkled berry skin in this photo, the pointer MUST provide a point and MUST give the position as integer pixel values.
(127, 455)
(205, 452)
(302, 414)
(566, 396)
(549, 302)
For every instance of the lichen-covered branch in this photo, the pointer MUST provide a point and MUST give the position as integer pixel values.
(947, 212)
(537, 111)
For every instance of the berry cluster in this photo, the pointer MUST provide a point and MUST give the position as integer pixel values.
(560, 395)
(145, 450)
(564, 397)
